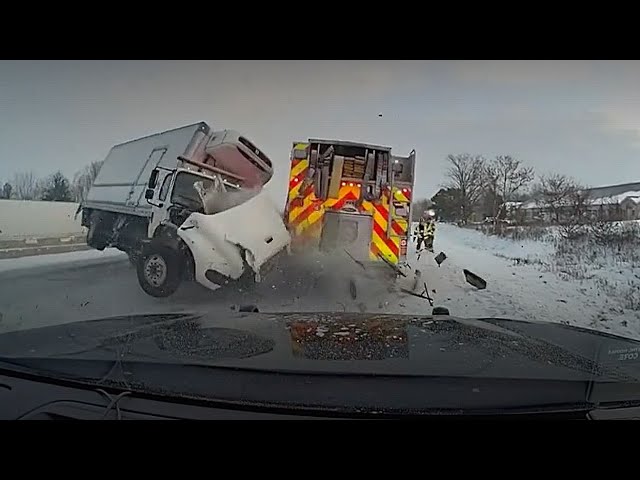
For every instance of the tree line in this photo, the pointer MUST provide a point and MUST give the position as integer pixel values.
(479, 187)
(54, 188)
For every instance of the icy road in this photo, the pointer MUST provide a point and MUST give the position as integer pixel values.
(51, 289)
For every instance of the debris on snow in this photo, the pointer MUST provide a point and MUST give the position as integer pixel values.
(474, 280)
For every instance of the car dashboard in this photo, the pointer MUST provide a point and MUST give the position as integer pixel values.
(23, 398)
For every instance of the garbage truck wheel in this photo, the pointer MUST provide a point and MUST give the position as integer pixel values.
(159, 270)
(94, 239)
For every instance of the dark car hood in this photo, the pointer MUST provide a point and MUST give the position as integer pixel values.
(354, 343)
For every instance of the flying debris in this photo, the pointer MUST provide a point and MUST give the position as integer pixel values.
(475, 280)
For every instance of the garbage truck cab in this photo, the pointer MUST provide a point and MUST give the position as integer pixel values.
(222, 232)
(187, 203)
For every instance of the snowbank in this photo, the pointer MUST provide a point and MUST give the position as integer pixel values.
(578, 284)
(530, 251)
(34, 219)
(85, 257)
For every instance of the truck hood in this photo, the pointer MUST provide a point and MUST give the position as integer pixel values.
(255, 226)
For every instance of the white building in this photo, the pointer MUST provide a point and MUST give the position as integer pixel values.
(615, 202)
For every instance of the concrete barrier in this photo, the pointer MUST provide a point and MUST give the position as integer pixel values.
(29, 221)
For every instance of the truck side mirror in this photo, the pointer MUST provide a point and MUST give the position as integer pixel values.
(153, 180)
(149, 193)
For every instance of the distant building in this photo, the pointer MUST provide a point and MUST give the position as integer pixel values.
(615, 202)
(631, 207)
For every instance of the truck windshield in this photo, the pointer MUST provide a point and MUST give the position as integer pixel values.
(185, 193)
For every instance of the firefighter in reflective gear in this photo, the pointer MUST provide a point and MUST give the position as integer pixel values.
(425, 233)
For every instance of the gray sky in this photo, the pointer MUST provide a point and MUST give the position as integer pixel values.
(579, 118)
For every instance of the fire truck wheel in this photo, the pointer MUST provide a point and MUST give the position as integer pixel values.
(159, 270)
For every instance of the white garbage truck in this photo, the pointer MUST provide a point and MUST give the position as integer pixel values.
(187, 203)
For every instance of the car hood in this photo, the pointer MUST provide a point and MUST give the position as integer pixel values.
(349, 343)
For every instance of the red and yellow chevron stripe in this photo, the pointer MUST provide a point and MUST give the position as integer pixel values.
(304, 213)
(402, 195)
(401, 225)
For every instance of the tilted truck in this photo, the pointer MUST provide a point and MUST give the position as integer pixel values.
(187, 204)
(352, 197)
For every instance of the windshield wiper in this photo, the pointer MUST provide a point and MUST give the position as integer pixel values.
(113, 402)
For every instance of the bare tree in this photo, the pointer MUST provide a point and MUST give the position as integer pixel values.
(465, 174)
(556, 193)
(579, 202)
(503, 178)
(24, 184)
(41, 186)
(566, 201)
(604, 228)
(576, 213)
(490, 191)
(83, 180)
(7, 188)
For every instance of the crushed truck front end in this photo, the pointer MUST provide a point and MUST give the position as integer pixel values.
(244, 239)
(350, 196)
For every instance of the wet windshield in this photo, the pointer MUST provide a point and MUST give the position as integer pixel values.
(463, 218)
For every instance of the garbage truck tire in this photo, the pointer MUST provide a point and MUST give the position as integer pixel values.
(159, 269)
(94, 239)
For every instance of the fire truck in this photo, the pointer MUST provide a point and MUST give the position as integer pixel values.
(350, 196)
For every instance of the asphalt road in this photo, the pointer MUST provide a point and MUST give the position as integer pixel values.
(55, 289)
(82, 290)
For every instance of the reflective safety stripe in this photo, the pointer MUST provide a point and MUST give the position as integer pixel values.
(402, 196)
(305, 215)
(296, 178)
(388, 247)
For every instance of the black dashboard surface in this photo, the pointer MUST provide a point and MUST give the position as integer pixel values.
(27, 399)
(33, 399)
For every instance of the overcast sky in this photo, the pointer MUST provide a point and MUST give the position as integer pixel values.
(579, 118)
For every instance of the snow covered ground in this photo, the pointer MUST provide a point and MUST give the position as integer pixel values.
(525, 280)
(81, 258)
